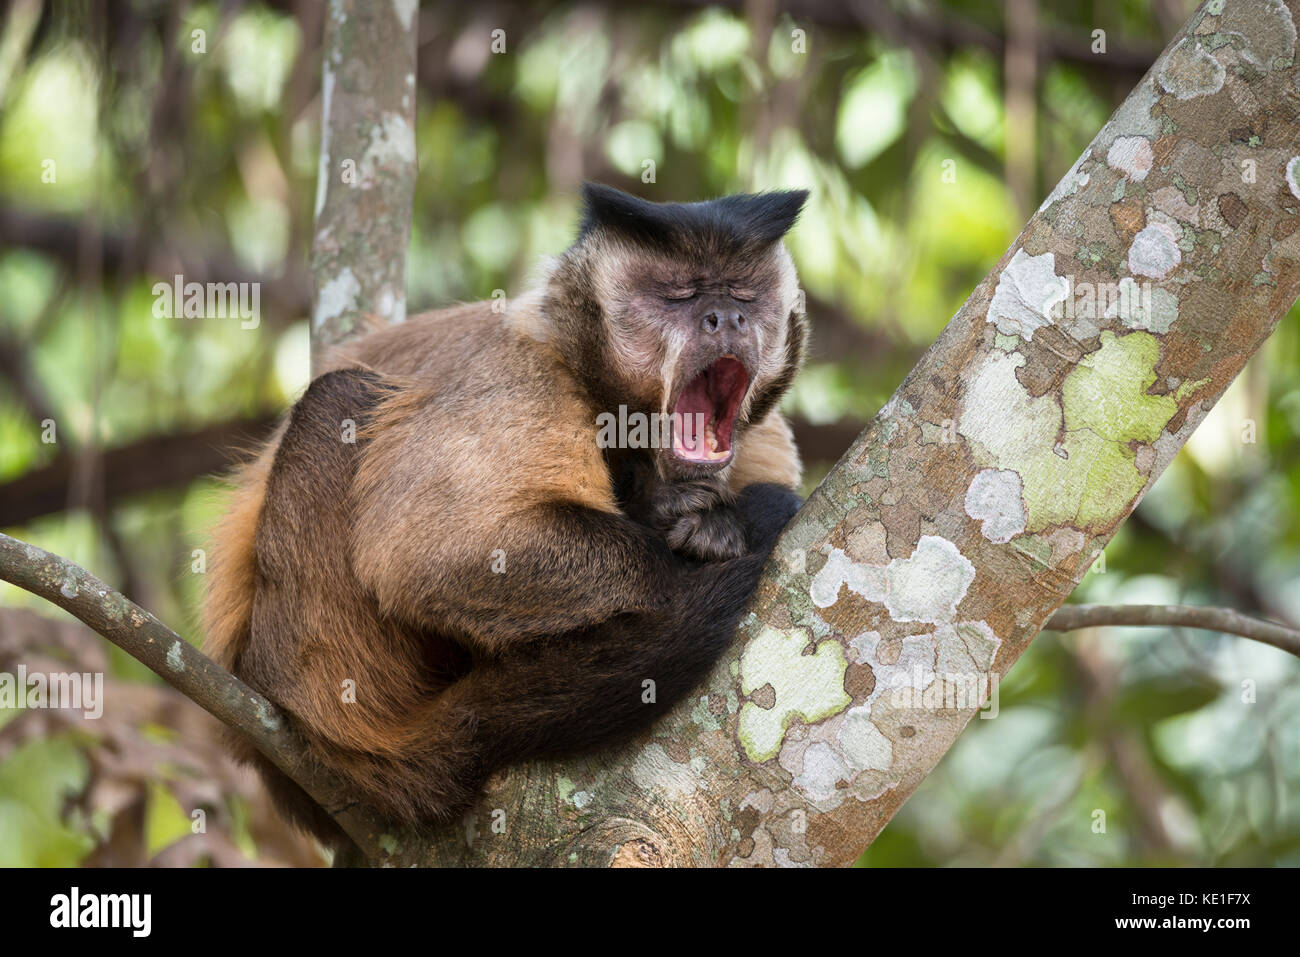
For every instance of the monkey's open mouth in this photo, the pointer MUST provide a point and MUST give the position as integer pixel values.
(705, 414)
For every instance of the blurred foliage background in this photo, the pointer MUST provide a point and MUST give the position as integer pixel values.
(183, 138)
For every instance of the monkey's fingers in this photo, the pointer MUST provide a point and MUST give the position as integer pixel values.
(714, 535)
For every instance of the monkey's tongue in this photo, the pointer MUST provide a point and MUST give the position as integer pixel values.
(705, 413)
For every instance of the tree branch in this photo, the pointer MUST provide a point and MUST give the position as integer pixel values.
(1225, 620)
(193, 674)
(133, 468)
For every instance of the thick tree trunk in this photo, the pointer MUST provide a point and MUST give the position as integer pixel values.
(974, 503)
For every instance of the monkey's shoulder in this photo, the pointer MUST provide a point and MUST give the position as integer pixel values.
(461, 410)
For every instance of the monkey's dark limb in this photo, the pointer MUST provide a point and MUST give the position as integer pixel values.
(580, 690)
(567, 567)
(710, 536)
(765, 509)
(573, 692)
(571, 567)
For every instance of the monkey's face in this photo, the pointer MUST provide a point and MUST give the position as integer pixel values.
(689, 314)
(696, 344)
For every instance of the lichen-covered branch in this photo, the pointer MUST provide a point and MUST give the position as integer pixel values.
(1225, 620)
(366, 183)
(189, 671)
(919, 570)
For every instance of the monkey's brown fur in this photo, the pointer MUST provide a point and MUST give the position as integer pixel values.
(374, 565)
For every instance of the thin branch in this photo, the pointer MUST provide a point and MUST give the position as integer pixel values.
(1073, 617)
(193, 674)
(945, 31)
(284, 298)
(144, 465)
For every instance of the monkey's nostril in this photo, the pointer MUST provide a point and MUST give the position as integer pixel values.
(730, 319)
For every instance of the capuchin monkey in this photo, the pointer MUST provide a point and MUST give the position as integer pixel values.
(441, 564)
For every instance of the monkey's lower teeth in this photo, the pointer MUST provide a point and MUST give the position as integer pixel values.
(711, 437)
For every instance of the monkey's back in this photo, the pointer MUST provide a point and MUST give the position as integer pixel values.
(465, 420)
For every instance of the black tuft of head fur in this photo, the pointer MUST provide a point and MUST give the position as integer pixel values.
(742, 222)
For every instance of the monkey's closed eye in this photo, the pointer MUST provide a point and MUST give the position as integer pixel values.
(680, 294)
(742, 295)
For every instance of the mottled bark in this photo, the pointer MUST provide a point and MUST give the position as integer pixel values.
(976, 500)
(366, 182)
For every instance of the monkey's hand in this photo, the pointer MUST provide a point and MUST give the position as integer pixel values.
(699, 520)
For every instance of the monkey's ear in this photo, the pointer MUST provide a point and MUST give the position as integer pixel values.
(743, 220)
(631, 216)
(764, 217)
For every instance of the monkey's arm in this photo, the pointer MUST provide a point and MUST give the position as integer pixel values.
(494, 532)
(765, 477)
(552, 568)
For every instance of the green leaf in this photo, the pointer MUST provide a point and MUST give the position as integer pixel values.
(165, 821)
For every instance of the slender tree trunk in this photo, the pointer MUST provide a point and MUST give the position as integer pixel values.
(366, 181)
